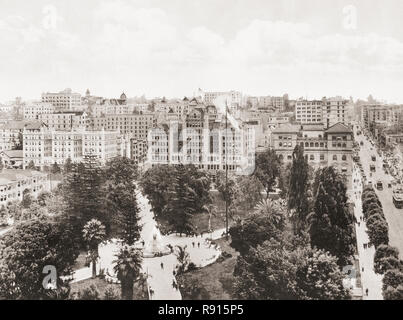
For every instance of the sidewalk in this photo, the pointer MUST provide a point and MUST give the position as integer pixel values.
(369, 279)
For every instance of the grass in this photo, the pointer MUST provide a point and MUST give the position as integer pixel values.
(101, 286)
(214, 282)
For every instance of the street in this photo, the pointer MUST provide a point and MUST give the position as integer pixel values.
(393, 216)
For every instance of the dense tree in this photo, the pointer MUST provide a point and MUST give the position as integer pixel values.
(27, 198)
(267, 222)
(122, 204)
(55, 169)
(155, 182)
(298, 199)
(378, 233)
(43, 197)
(187, 195)
(332, 223)
(393, 284)
(26, 250)
(121, 169)
(128, 268)
(319, 277)
(68, 165)
(284, 180)
(93, 235)
(274, 271)
(227, 188)
(248, 193)
(382, 261)
(84, 194)
(3, 215)
(267, 169)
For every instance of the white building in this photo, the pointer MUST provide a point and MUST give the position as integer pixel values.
(47, 146)
(13, 182)
(34, 109)
(63, 100)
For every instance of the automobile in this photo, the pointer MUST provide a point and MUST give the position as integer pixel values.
(361, 143)
(397, 196)
(389, 185)
(372, 168)
(373, 158)
(379, 185)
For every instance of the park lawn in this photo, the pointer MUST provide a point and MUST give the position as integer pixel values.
(216, 279)
(218, 220)
(101, 285)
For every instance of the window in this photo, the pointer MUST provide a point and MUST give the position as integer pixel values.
(344, 157)
(335, 157)
(311, 157)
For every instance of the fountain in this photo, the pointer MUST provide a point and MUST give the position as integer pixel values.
(155, 246)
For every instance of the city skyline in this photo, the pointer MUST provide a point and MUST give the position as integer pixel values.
(171, 48)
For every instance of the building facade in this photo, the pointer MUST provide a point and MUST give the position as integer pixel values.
(46, 147)
(63, 100)
(13, 182)
(136, 124)
(33, 110)
(65, 120)
(322, 147)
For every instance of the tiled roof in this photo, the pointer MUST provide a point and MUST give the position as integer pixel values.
(339, 128)
(14, 175)
(13, 153)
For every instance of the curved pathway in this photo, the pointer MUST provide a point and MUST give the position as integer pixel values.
(159, 270)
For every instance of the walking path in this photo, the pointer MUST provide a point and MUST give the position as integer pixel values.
(369, 279)
(158, 269)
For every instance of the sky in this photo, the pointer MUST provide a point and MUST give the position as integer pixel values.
(309, 48)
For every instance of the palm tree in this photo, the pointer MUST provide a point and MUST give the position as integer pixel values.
(93, 234)
(127, 268)
(183, 258)
(269, 207)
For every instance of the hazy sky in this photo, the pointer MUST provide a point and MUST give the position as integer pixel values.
(170, 48)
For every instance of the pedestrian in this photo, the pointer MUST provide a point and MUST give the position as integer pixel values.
(198, 244)
(366, 292)
(151, 293)
(362, 269)
(174, 285)
(174, 273)
(193, 244)
(358, 224)
(162, 265)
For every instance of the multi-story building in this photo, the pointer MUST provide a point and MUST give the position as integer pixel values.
(385, 115)
(335, 110)
(13, 183)
(136, 124)
(322, 147)
(65, 120)
(47, 146)
(234, 97)
(63, 100)
(328, 111)
(11, 132)
(34, 109)
(309, 111)
(205, 139)
(138, 150)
